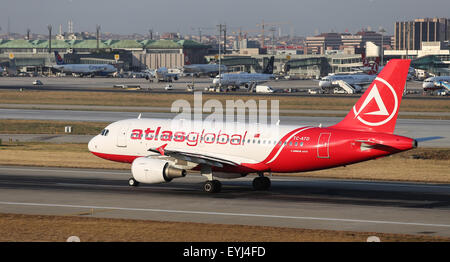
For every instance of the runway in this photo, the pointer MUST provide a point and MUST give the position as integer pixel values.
(414, 128)
(388, 207)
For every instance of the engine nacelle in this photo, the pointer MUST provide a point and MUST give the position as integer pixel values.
(152, 171)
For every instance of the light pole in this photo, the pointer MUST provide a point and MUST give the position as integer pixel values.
(49, 27)
(382, 31)
(98, 36)
(221, 26)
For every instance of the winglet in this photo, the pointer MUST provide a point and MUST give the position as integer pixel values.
(161, 149)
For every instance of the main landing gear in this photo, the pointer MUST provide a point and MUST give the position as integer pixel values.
(211, 185)
(261, 183)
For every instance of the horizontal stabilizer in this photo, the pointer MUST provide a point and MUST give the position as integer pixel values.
(423, 139)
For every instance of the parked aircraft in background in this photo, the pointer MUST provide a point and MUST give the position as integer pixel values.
(349, 83)
(437, 83)
(352, 82)
(83, 69)
(161, 75)
(162, 150)
(239, 79)
(197, 70)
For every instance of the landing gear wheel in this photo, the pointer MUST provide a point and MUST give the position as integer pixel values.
(213, 186)
(261, 183)
(132, 182)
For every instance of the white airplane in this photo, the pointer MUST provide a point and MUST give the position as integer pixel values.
(162, 150)
(211, 70)
(161, 75)
(197, 70)
(351, 83)
(239, 79)
(83, 69)
(435, 83)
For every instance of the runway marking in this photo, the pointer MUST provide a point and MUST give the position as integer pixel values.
(228, 214)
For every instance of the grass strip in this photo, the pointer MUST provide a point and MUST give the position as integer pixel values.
(21, 228)
(166, 100)
(14, 126)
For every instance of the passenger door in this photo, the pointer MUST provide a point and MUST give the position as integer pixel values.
(122, 136)
(323, 145)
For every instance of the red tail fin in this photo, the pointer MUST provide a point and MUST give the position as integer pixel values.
(377, 109)
(375, 67)
(186, 59)
(365, 61)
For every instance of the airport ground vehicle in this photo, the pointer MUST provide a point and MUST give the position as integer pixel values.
(162, 150)
(37, 82)
(263, 89)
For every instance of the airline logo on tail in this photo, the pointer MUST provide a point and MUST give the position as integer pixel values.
(186, 59)
(58, 58)
(374, 67)
(373, 110)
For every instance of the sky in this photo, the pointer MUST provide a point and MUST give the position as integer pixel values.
(303, 18)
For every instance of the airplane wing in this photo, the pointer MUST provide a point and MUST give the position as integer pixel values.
(201, 158)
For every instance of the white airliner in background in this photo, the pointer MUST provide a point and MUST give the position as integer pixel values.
(239, 79)
(161, 75)
(436, 83)
(84, 69)
(351, 83)
(161, 150)
(197, 70)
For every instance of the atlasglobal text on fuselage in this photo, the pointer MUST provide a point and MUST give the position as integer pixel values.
(161, 150)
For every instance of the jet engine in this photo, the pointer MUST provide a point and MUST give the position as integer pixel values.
(152, 170)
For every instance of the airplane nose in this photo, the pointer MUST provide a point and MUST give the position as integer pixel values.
(427, 85)
(92, 145)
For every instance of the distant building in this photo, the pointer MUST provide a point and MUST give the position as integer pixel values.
(359, 40)
(134, 54)
(410, 35)
(326, 41)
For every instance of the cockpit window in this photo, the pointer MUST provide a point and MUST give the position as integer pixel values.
(104, 132)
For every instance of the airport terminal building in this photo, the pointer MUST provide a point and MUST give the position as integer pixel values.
(134, 55)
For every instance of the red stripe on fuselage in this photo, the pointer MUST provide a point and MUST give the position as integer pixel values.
(117, 158)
